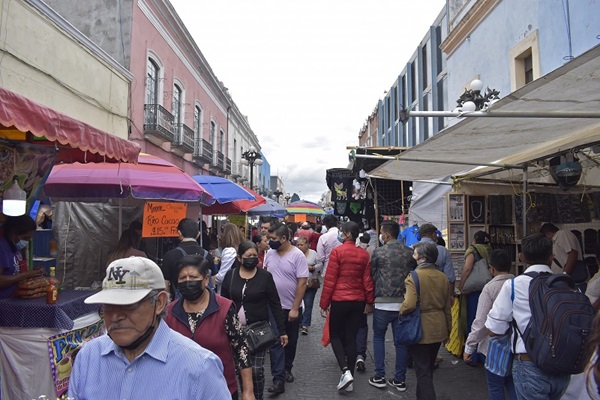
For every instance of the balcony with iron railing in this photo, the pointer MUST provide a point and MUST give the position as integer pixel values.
(237, 169)
(184, 138)
(203, 152)
(158, 124)
(220, 161)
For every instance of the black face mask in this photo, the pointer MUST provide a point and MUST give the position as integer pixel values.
(137, 342)
(250, 263)
(191, 290)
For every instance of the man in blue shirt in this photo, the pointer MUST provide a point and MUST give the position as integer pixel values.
(140, 357)
(443, 263)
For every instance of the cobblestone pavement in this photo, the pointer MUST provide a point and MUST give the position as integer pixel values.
(317, 373)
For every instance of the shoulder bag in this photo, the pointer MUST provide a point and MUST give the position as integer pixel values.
(500, 356)
(479, 276)
(408, 330)
(259, 335)
(580, 272)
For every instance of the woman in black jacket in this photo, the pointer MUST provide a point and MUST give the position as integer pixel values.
(253, 291)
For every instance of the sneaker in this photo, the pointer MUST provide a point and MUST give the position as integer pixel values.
(377, 381)
(304, 330)
(401, 386)
(360, 364)
(350, 388)
(345, 381)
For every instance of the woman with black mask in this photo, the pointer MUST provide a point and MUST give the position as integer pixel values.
(212, 322)
(254, 293)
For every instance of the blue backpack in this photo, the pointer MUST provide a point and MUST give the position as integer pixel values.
(560, 325)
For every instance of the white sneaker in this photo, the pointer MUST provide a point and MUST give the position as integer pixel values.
(350, 388)
(345, 381)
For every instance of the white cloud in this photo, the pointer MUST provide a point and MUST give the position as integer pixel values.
(307, 73)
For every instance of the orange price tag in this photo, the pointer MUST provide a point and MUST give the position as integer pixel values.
(161, 219)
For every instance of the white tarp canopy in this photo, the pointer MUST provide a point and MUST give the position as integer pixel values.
(574, 87)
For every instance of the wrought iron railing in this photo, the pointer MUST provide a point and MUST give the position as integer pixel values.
(158, 120)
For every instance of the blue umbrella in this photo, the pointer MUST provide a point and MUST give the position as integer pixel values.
(223, 190)
(271, 207)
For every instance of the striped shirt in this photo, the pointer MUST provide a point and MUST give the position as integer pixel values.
(171, 367)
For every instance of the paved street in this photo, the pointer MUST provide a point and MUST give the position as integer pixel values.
(317, 373)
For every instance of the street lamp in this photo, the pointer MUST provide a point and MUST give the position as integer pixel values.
(251, 157)
(287, 198)
(473, 100)
(277, 193)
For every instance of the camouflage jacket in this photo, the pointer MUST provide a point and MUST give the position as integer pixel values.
(390, 265)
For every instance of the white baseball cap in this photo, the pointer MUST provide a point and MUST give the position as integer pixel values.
(127, 281)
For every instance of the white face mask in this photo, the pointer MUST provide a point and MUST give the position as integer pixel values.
(381, 238)
(21, 244)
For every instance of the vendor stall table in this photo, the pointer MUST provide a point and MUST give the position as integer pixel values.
(25, 327)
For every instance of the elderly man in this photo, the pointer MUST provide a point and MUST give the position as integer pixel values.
(140, 357)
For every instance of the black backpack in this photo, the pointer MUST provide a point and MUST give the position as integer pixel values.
(560, 325)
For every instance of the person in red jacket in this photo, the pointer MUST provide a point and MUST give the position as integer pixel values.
(211, 321)
(347, 294)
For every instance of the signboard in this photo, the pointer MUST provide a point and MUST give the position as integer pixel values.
(63, 348)
(161, 219)
(240, 222)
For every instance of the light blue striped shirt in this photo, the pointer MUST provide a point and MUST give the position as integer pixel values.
(171, 367)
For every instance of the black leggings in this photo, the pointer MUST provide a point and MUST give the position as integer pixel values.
(344, 321)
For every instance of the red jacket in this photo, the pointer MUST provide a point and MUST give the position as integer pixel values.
(348, 276)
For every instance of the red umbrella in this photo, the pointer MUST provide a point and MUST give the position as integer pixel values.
(236, 206)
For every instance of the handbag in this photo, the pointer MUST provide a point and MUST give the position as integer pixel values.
(479, 276)
(408, 330)
(260, 336)
(580, 272)
(314, 283)
(499, 357)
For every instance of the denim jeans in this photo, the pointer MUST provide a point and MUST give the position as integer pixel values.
(282, 359)
(309, 300)
(472, 301)
(496, 385)
(531, 383)
(381, 320)
(361, 337)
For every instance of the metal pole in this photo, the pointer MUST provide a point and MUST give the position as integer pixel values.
(524, 232)
(251, 163)
(476, 164)
(506, 114)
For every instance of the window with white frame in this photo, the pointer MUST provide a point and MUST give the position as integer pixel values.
(177, 100)
(152, 79)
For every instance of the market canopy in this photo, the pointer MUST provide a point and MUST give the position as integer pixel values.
(223, 190)
(304, 207)
(574, 87)
(271, 208)
(235, 206)
(43, 122)
(152, 178)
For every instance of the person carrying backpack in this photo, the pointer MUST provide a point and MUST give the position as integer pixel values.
(551, 323)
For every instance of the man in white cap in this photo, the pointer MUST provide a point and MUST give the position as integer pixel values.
(140, 357)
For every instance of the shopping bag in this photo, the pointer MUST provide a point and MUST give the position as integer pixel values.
(499, 357)
(325, 340)
(456, 342)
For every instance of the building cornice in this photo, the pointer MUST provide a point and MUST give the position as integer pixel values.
(467, 25)
(86, 42)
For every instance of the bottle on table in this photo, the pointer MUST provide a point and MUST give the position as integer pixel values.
(51, 293)
(52, 272)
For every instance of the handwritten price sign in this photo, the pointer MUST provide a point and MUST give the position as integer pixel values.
(161, 219)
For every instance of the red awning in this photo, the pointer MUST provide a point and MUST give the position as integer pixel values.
(41, 121)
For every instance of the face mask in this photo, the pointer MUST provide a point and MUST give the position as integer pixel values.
(21, 244)
(250, 263)
(381, 239)
(340, 238)
(191, 290)
(274, 244)
(137, 342)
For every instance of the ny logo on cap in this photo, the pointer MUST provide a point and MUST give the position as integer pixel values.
(117, 274)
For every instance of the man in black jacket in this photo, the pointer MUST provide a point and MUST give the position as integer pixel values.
(188, 233)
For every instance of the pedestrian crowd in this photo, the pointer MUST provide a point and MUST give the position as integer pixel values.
(201, 325)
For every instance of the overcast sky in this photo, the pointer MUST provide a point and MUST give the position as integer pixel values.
(307, 73)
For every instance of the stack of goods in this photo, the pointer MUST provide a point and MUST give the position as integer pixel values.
(32, 288)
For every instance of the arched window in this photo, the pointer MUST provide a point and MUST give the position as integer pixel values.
(152, 79)
(177, 93)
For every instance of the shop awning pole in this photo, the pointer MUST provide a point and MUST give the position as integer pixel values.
(475, 164)
(506, 114)
(524, 205)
